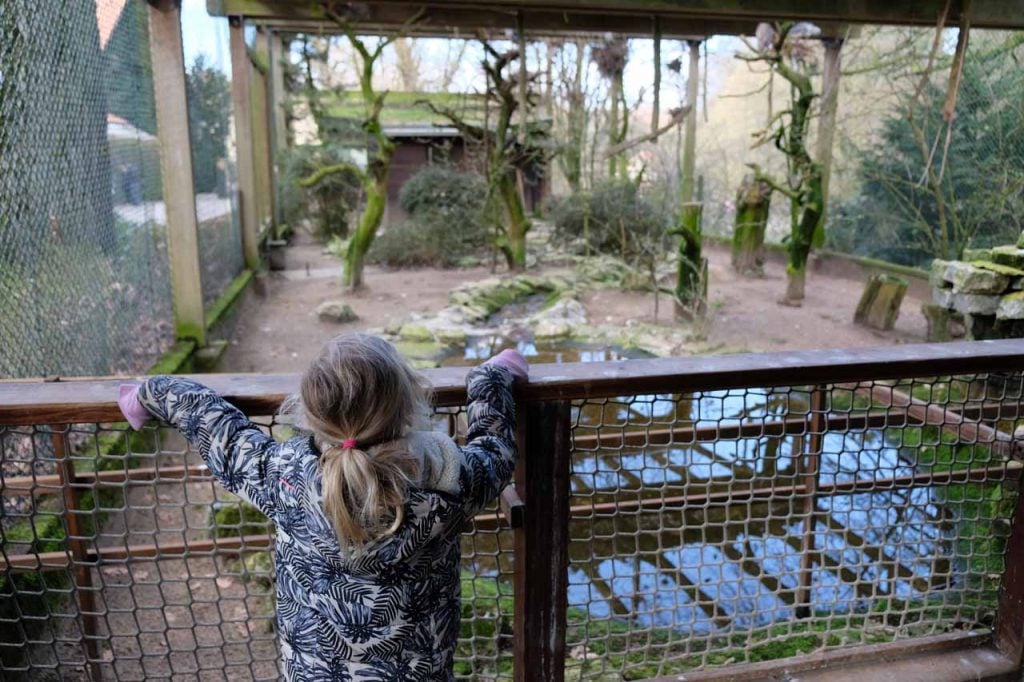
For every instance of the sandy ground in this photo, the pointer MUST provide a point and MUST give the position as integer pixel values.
(278, 330)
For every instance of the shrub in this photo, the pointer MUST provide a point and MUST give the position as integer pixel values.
(445, 223)
(614, 219)
(329, 203)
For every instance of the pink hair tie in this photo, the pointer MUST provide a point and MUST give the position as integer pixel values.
(349, 443)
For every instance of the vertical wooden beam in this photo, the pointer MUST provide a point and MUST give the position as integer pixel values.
(827, 120)
(79, 550)
(542, 544)
(278, 53)
(279, 129)
(690, 145)
(656, 107)
(521, 96)
(176, 168)
(810, 466)
(1009, 628)
(259, 92)
(245, 166)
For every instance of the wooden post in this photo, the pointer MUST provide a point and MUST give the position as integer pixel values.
(827, 122)
(690, 145)
(83, 586)
(279, 129)
(242, 110)
(176, 168)
(542, 543)
(278, 52)
(809, 469)
(259, 90)
(656, 107)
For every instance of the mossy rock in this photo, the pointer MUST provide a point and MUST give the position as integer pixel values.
(415, 332)
(968, 279)
(452, 336)
(1008, 255)
(996, 267)
(482, 299)
(1011, 307)
(420, 350)
(971, 255)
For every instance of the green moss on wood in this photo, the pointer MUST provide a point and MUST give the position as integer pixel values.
(224, 303)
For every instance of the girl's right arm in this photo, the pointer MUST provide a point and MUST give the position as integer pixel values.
(489, 456)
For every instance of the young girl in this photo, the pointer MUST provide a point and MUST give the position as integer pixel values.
(367, 508)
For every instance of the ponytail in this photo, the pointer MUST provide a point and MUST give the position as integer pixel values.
(364, 491)
(359, 390)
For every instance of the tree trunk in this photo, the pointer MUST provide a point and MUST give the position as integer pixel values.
(369, 221)
(514, 246)
(802, 237)
(753, 201)
(691, 273)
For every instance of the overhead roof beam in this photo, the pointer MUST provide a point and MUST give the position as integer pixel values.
(680, 18)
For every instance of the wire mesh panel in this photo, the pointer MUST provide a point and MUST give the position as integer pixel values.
(746, 525)
(83, 254)
(124, 560)
(208, 86)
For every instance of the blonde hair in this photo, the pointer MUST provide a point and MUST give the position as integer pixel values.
(360, 389)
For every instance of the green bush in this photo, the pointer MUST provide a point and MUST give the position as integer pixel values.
(329, 203)
(615, 218)
(446, 221)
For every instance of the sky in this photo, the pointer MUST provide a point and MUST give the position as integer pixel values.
(206, 35)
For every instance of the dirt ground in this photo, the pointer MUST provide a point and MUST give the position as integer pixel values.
(278, 330)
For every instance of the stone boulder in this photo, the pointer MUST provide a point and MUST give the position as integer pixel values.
(968, 279)
(1011, 307)
(336, 311)
(560, 320)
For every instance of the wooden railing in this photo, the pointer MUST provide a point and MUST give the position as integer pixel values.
(542, 503)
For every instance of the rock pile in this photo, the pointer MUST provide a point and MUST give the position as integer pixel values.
(980, 297)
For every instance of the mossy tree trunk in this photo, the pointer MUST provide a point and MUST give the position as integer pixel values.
(753, 202)
(691, 272)
(803, 184)
(380, 150)
(505, 153)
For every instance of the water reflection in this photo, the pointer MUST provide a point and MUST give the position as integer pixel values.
(716, 558)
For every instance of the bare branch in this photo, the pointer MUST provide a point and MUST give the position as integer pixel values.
(321, 173)
(678, 116)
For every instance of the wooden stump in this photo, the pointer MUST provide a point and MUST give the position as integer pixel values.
(753, 201)
(880, 304)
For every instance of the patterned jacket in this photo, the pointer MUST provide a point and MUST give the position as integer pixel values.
(392, 612)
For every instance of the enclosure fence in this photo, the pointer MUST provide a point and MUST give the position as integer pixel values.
(724, 516)
(84, 270)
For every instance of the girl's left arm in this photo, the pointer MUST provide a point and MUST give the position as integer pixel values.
(238, 453)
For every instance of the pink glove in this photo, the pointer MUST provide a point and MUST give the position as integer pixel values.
(131, 408)
(513, 362)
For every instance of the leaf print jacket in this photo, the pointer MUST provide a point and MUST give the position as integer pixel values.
(392, 612)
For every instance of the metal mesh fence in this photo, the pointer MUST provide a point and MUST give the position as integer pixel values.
(150, 570)
(745, 525)
(208, 84)
(83, 254)
(706, 529)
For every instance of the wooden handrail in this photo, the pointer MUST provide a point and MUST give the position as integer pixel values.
(94, 400)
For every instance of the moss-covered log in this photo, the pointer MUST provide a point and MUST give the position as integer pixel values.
(880, 303)
(753, 201)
